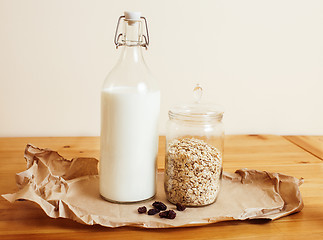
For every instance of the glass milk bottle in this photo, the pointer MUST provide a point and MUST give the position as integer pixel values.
(130, 104)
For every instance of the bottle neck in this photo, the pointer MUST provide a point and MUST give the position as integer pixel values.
(132, 47)
(132, 34)
(131, 55)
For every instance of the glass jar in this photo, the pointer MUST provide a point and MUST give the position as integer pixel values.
(194, 149)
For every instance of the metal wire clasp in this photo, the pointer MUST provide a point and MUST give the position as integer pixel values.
(121, 42)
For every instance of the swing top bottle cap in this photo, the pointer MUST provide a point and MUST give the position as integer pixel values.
(132, 17)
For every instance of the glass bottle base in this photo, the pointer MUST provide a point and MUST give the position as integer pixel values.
(127, 202)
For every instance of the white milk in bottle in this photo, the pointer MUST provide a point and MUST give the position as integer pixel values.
(130, 103)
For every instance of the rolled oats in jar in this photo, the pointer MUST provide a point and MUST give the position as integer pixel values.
(194, 147)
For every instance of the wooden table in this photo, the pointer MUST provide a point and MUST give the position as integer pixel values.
(299, 156)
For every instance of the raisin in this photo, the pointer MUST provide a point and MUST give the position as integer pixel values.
(180, 207)
(142, 209)
(153, 211)
(163, 214)
(170, 214)
(159, 205)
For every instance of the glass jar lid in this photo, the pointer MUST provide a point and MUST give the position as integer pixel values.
(197, 111)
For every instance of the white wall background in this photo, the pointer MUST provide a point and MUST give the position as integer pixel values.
(261, 60)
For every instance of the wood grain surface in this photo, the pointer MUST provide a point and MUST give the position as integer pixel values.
(25, 220)
(312, 144)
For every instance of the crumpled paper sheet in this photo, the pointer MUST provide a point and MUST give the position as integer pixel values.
(70, 189)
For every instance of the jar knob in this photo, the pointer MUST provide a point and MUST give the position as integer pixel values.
(197, 93)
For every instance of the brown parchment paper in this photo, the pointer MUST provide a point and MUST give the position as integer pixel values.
(70, 189)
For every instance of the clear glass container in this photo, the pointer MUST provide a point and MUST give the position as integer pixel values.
(194, 149)
(130, 103)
